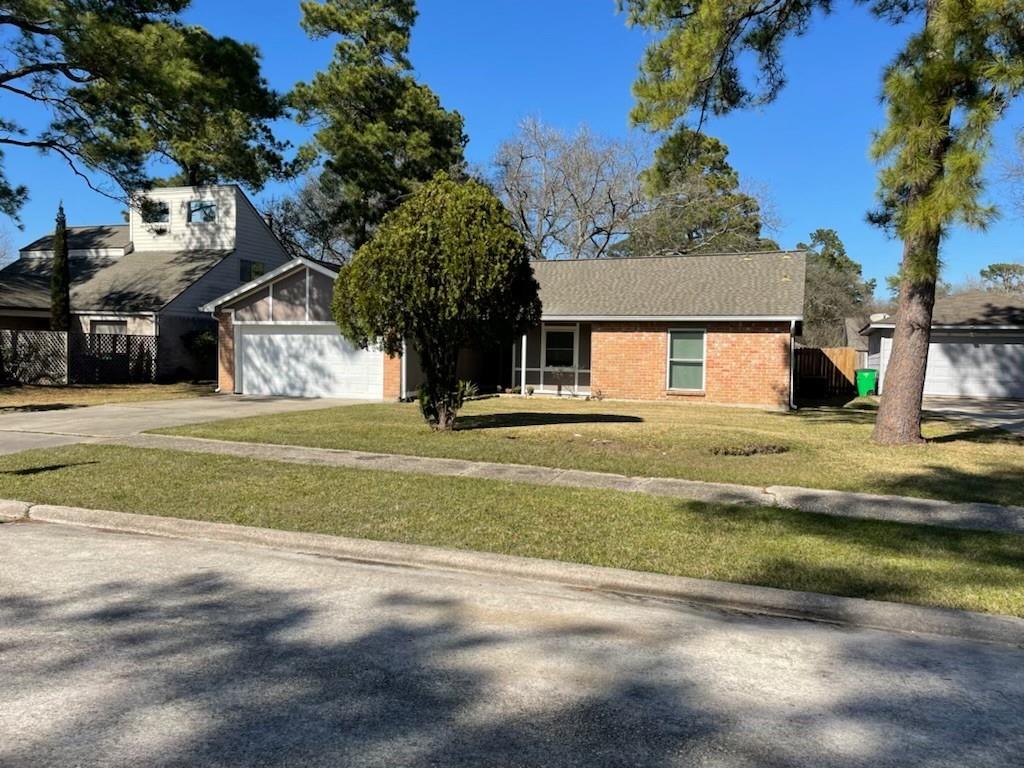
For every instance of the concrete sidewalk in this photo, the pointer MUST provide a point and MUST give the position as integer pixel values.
(899, 509)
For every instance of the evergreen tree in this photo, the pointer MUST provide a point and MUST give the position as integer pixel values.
(60, 277)
(445, 270)
(954, 78)
(379, 131)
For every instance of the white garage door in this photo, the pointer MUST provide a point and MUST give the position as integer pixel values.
(307, 361)
(975, 367)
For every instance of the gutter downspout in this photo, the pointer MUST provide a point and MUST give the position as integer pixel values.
(404, 385)
(792, 366)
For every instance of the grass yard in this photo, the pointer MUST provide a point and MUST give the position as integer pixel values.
(817, 448)
(771, 547)
(35, 398)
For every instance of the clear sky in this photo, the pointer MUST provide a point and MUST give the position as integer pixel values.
(572, 62)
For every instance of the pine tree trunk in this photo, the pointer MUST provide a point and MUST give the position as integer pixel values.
(899, 415)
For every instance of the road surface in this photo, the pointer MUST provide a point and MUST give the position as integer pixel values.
(127, 650)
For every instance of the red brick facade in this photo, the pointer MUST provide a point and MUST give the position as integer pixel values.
(225, 353)
(745, 364)
(392, 377)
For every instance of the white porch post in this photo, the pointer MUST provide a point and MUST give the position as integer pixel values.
(522, 367)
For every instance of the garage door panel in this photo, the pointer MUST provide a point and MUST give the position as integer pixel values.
(308, 362)
(975, 367)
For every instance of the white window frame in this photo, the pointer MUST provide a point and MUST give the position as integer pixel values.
(703, 361)
(204, 201)
(121, 323)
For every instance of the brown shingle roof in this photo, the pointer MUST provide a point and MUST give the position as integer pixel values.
(86, 238)
(769, 284)
(974, 308)
(136, 282)
(979, 308)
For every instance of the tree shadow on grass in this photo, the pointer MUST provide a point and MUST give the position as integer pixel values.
(204, 670)
(1002, 485)
(30, 471)
(540, 419)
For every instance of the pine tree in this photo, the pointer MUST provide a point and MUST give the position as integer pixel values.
(944, 91)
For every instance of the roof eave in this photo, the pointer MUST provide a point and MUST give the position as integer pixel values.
(269, 277)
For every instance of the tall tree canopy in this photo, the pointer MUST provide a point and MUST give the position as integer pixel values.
(379, 131)
(1004, 277)
(445, 270)
(943, 92)
(695, 202)
(835, 289)
(571, 196)
(126, 82)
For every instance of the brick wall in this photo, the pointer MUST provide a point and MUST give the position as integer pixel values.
(392, 377)
(746, 363)
(225, 353)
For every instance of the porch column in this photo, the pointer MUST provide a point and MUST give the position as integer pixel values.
(522, 367)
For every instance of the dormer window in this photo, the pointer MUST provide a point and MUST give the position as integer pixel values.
(155, 212)
(202, 212)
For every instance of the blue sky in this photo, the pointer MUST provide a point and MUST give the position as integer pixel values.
(572, 62)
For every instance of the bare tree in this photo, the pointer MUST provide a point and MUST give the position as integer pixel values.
(572, 196)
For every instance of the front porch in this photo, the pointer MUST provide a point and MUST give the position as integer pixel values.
(553, 359)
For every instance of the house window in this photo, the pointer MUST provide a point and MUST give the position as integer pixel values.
(155, 213)
(559, 349)
(686, 360)
(110, 327)
(202, 211)
(250, 270)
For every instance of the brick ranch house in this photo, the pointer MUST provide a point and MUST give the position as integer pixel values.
(714, 329)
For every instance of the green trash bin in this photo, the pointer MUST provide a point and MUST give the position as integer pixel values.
(867, 381)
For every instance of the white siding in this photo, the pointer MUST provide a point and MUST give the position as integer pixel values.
(253, 241)
(982, 364)
(137, 324)
(180, 234)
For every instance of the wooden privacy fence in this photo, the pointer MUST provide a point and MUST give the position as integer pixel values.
(825, 372)
(53, 357)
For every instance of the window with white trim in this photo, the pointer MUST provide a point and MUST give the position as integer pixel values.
(559, 349)
(109, 327)
(202, 212)
(686, 360)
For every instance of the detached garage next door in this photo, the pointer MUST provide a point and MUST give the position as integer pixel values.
(977, 366)
(307, 361)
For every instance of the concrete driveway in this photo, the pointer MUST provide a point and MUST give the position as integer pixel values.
(189, 653)
(22, 430)
(1005, 414)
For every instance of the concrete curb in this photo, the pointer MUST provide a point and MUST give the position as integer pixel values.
(866, 506)
(13, 510)
(738, 597)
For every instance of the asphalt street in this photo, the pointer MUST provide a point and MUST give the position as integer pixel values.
(128, 650)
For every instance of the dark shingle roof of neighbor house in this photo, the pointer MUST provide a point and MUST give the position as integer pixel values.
(854, 338)
(135, 282)
(768, 284)
(974, 308)
(86, 238)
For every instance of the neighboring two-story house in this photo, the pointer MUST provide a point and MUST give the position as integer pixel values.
(148, 277)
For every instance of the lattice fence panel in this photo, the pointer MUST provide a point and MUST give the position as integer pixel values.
(110, 358)
(33, 357)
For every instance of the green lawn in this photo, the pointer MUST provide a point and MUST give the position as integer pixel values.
(36, 398)
(823, 447)
(771, 547)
